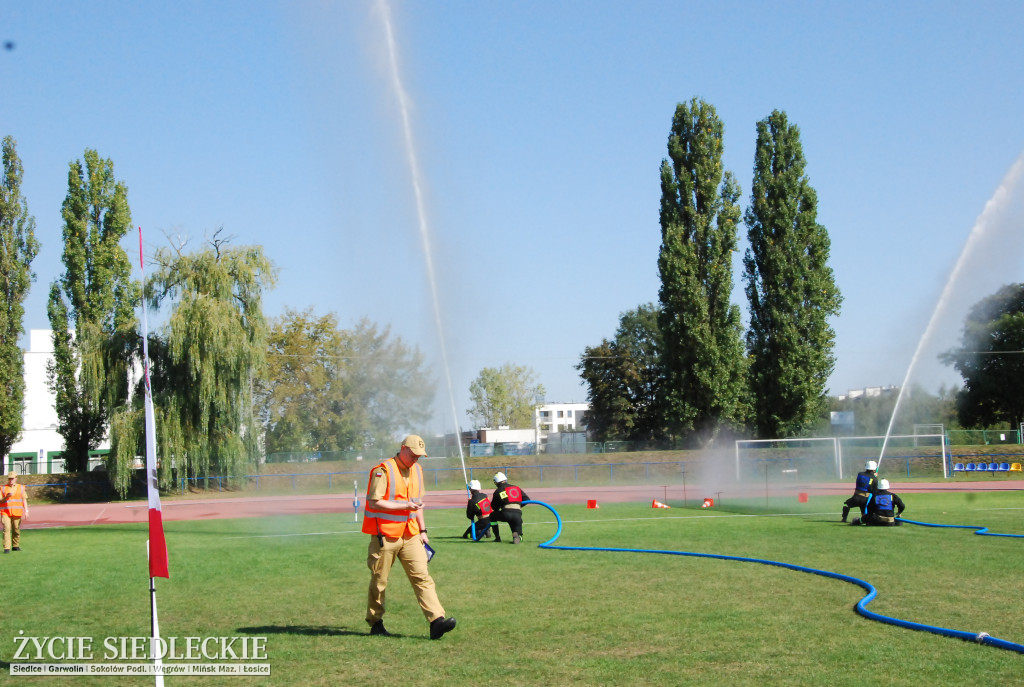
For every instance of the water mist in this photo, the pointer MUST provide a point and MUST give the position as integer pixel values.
(424, 228)
(991, 219)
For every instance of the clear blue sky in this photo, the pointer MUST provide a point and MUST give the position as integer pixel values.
(540, 128)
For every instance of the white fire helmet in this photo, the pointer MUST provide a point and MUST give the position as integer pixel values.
(883, 484)
(500, 477)
(474, 485)
(871, 465)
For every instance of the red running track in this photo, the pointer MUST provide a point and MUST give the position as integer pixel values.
(252, 506)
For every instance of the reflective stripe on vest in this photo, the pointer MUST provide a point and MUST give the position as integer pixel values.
(15, 504)
(394, 523)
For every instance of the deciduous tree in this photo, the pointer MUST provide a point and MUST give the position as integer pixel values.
(18, 248)
(505, 395)
(301, 399)
(790, 288)
(625, 382)
(389, 386)
(991, 361)
(702, 356)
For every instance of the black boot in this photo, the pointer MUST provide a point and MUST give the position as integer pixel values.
(441, 625)
(846, 512)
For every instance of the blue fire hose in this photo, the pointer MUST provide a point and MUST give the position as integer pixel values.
(861, 607)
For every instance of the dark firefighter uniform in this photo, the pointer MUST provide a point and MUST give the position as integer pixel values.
(866, 485)
(478, 510)
(505, 507)
(884, 508)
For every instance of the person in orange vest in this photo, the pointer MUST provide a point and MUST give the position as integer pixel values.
(13, 507)
(393, 516)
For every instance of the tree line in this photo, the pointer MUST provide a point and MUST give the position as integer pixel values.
(684, 370)
(229, 384)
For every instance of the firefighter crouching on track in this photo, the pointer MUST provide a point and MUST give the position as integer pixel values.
(478, 510)
(866, 485)
(505, 507)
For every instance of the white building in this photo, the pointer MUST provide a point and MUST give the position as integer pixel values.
(564, 420)
(40, 447)
(560, 417)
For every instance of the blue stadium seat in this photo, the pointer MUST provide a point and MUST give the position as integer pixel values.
(981, 467)
(970, 467)
(959, 467)
(1004, 467)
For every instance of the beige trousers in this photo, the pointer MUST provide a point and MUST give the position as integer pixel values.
(410, 552)
(12, 531)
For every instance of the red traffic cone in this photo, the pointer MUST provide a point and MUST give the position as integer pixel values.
(592, 503)
(658, 504)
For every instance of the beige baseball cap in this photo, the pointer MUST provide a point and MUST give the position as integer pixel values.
(12, 474)
(414, 443)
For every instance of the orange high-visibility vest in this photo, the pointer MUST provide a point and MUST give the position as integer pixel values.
(13, 500)
(394, 523)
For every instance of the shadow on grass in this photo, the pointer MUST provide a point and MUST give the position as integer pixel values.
(310, 630)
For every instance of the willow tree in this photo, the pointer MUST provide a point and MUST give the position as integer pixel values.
(205, 362)
(702, 353)
(18, 248)
(91, 309)
(790, 288)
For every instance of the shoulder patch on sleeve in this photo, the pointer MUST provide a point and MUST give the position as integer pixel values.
(379, 474)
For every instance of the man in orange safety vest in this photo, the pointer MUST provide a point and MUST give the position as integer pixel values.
(393, 516)
(13, 507)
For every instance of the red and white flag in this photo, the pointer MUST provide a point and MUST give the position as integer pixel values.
(157, 543)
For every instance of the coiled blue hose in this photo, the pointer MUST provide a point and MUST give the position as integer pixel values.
(861, 607)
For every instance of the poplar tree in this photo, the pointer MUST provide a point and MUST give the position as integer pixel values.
(790, 288)
(91, 309)
(700, 328)
(205, 363)
(18, 248)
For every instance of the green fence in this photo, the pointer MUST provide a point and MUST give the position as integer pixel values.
(982, 437)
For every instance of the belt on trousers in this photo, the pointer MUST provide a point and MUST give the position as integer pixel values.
(860, 493)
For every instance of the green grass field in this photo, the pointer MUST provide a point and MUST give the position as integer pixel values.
(529, 616)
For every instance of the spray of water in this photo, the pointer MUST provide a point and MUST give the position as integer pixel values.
(417, 186)
(985, 222)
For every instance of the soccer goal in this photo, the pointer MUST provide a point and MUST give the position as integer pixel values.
(788, 460)
(913, 455)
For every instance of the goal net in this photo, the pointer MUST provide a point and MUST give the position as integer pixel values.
(787, 461)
